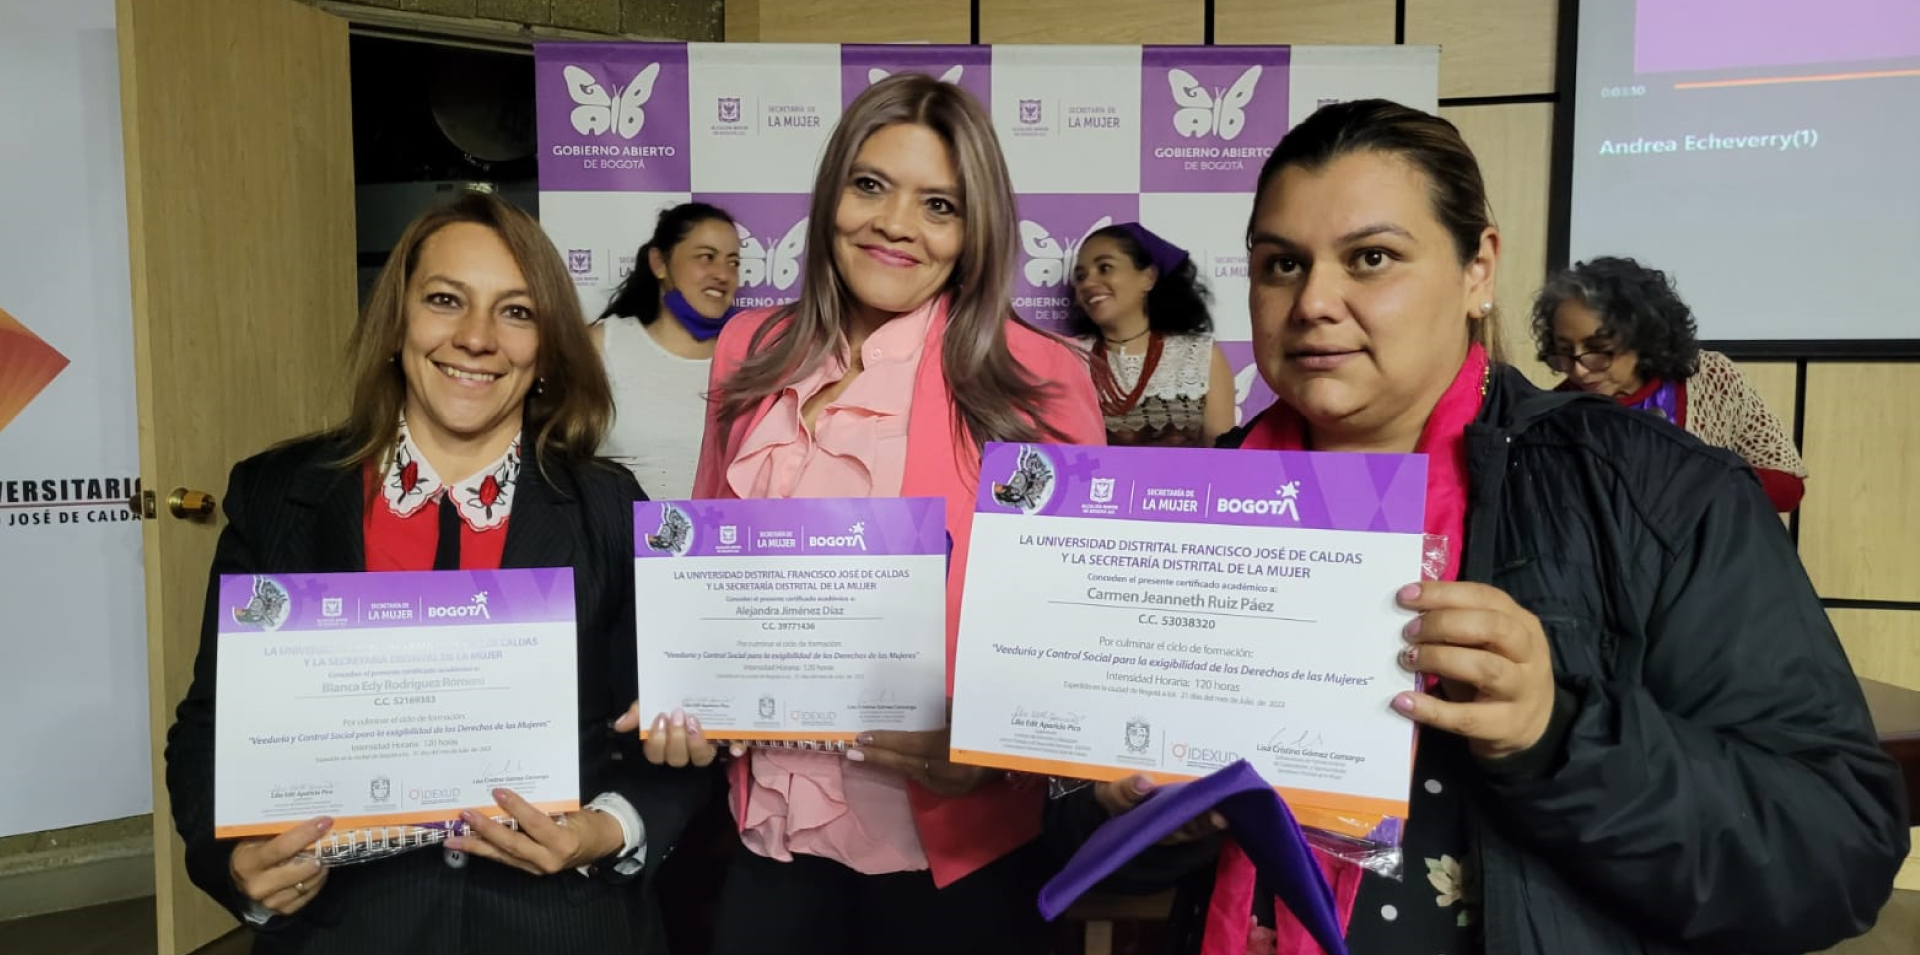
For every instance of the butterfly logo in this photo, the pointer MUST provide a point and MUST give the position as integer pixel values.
(596, 112)
(1049, 261)
(877, 74)
(1242, 390)
(778, 265)
(1214, 112)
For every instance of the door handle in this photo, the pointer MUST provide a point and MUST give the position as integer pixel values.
(189, 505)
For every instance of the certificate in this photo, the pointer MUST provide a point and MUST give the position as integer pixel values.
(384, 699)
(1170, 612)
(801, 620)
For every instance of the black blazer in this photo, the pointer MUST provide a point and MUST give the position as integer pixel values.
(290, 511)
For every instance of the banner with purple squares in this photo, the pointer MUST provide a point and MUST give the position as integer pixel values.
(1209, 116)
(266, 603)
(1172, 137)
(612, 117)
(1378, 493)
(799, 527)
(773, 243)
(1052, 228)
(864, 64)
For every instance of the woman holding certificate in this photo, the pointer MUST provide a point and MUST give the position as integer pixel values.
(1637, 731)
(900, 359)
(477, 404)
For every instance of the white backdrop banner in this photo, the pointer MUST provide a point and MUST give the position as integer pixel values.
(1172, 136)
(73, 684)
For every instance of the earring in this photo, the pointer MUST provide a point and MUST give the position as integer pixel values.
(539, 386)
(1486, 309)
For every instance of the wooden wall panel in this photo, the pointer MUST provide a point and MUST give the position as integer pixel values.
(1884, 645)
(848, 21)
(1860, 523)
(1515, 145)
(1302, 22)
(1489, 47)
(1092, 21)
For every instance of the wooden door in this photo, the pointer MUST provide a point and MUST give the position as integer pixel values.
(239, 161)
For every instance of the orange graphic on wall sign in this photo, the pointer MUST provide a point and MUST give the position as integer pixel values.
(27, 365)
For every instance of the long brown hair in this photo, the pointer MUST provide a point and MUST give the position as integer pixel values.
(994, 399)
(1427, 142)
(568, 410)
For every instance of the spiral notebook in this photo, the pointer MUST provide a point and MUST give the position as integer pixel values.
(793, 624)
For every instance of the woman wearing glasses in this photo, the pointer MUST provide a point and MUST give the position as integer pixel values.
(1617, 328)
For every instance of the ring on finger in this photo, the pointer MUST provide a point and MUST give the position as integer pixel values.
(300, 888)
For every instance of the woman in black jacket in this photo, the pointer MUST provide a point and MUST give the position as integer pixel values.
(1638, 732)
(478, 402)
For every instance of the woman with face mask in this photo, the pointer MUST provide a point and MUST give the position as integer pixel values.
(656, 338)
(1617, 328)
(1636, 731)
(902, 357)
(1141, 312)
(477, 403)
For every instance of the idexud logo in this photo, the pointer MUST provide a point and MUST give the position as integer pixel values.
(1201, 757)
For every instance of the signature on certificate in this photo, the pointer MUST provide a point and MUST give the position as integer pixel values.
(1047, 719)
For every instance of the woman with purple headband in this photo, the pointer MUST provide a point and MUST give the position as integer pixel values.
(1141, 313)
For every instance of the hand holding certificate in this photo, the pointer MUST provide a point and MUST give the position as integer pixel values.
(799, 623)
(1168, 613)
(403, 706)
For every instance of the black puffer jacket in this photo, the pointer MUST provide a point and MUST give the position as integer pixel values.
(1711, 782)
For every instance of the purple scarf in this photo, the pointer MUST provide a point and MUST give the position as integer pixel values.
(699, 326)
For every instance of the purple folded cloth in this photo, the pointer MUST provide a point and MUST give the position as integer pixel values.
(1257, 819)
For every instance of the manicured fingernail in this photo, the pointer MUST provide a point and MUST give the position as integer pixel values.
(323, 823)
(467, 816)
(864, 739)
(1403, 702)
(1142, 785)
(500, 796)
(693, 724)
(454, 844)
(737, 750)
(856, 756)
(1410, 657)
(1412, 629)
(660, 723)
(679, 717)
(1410, 592)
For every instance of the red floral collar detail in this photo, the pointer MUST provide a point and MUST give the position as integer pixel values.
(484, 500)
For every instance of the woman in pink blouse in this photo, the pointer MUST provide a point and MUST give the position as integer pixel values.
(900, 359)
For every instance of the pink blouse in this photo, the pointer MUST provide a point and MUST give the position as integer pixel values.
(820, 804)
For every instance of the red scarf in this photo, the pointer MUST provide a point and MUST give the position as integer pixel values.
(1229, 926)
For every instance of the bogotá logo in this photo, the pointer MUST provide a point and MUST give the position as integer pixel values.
(27, 366)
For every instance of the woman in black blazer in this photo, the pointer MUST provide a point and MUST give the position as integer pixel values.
(471, 359)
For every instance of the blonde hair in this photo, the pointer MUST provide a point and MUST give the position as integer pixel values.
(569, 409)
